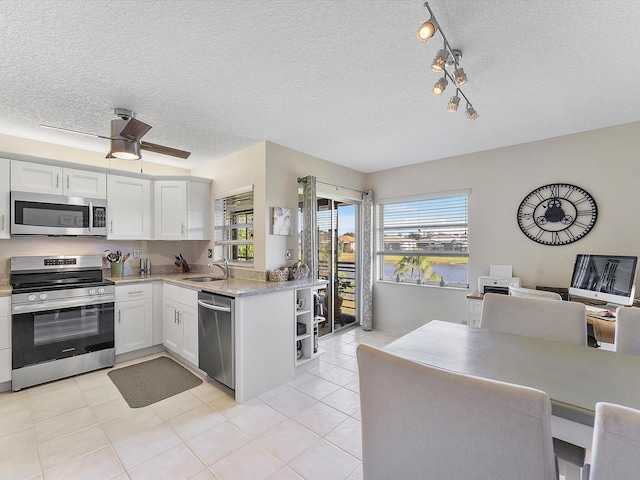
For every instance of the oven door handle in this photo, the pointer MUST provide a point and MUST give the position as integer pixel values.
(48, 305)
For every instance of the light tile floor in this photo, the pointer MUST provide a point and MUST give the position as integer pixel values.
(81, 428)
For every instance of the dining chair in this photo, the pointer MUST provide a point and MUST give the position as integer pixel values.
(627, 336)
(531, 293)
(422, 422)
(616, 443)
(556, 321)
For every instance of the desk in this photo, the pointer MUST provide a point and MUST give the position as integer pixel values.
(574, 377)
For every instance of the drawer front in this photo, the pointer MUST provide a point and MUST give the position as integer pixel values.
(136, 291)
(5, 306)
(5, 332)
(182, 295)
(475, 308)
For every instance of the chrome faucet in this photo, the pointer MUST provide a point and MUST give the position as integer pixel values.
(223, 265)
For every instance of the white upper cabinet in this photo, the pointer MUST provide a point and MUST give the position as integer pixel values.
(81, 183)
(181, 210)
(5, 207)
(128, 208)
(51, 179)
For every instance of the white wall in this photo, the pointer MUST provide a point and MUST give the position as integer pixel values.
(603, 162)
(284, 166)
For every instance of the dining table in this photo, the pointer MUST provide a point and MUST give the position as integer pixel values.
(575, 377)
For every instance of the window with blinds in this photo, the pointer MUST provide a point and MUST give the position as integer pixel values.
(425, 240)
(233, 231)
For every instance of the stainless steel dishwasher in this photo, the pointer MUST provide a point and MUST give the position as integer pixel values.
(216, 337)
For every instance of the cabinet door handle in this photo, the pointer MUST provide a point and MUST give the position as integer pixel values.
(67, 182)
(111, 225)
(137, 292)
(3, 223)
(182, 228)
(119, 316)
(178, 317)
(57, 180)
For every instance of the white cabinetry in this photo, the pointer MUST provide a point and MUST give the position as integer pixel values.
(5, 339)
(5, 206)
(128, 208)
(39, 178)
(133, 317)
(181, 210)
(181, 322)
(475, 311)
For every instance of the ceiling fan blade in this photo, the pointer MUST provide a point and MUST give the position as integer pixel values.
(174, 152)
(75, 131)
(134, 130)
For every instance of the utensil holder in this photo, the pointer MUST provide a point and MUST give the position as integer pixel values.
(117, 269)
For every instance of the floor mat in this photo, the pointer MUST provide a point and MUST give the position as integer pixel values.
(149, 382)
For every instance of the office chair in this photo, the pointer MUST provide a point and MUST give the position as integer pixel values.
(627, 336)
(616, 442)
(531, 293)
(423, 422)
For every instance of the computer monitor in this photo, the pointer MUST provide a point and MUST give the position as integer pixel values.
(609, 278)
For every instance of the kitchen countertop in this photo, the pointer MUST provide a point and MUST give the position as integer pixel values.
(232, 287)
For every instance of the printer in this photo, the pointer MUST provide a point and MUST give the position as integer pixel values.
(491, 284)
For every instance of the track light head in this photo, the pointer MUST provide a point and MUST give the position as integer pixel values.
(439, 87)
(427, 30)
(459, 77)
(440, 61)
(471, 113)
(454, 102)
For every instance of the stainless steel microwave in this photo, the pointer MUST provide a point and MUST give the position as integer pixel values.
(57, 215)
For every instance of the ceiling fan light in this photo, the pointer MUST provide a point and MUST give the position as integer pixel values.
(439, 87)
(427, 30)
(125, 149)
(459, 77)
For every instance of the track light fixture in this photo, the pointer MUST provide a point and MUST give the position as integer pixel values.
(440, 61)
(439, 87)
(427, 30)
(454, 102)
(471, 112)
(447, 56)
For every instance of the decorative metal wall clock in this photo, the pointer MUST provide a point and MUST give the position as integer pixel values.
(557, 214)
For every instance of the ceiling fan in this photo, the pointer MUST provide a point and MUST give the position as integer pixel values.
(126, 134)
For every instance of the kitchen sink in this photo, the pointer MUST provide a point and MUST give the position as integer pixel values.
(203, 279)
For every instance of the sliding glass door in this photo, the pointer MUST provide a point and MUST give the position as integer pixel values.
(337, 263)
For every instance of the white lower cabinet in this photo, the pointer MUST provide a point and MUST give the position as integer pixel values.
(5, 339)
(181, 322)
(133, 317)
(474, 312)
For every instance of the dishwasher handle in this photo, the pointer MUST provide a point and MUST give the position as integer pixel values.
(214, 307)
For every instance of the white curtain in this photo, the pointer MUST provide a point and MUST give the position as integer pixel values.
(310, 225)
(367, 261)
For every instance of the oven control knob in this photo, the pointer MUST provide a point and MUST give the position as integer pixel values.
(101, 290)
(31, 297)
(43, 296)
(92, 291)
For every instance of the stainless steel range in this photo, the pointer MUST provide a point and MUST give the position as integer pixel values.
(62, 318)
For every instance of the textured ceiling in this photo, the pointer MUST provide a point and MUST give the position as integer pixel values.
(343, 80)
